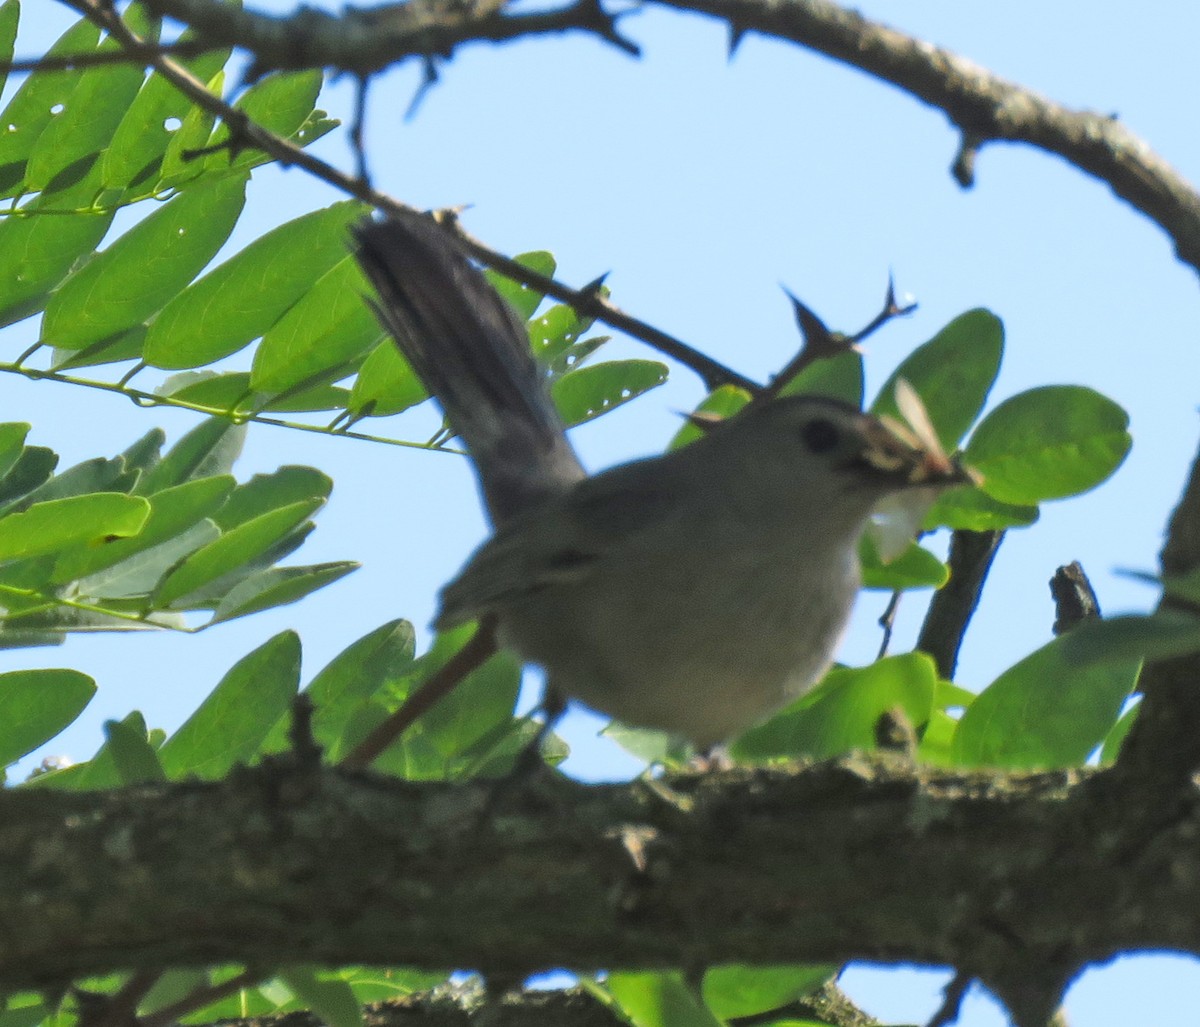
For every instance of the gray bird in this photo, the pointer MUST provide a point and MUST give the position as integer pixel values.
(695, 592)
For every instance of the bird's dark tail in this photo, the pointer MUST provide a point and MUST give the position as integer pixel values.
(472, 353)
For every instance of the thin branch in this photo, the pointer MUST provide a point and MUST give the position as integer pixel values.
(151, 399)
(198, 998)
(952, 606)
(440, 684)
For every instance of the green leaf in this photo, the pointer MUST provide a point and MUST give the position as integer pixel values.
(659, 1000)
(839, 377)
(231, 723)
(386, 384)
(479, 709)
(280, 103)
(172, 511)
(1119, 640)
(1047, 711)
(278, 586)
(722, 402)
(12, 439)
(35, 705)
(320, 335)
(10, 12)
(146, 267)
(1046, 443)
(230, 393)
(522, 298)
(952, 373)
(1116, 737)
(842, 712)
(133, 755)
(972, 509)
(73, 140)
(553, 333)
(126, 345)
(292, 483)
(96, 475)
(142, 137)
(238, 301)
(32, 469)
(650, 746)
(233, 550)
(37, 251)
(136, 576)
(937, 740)
(178, 168)
(41, 98)
(207, 450)
(368, 665)
(325, 995)
(97, 773)
(738, 990)
(916, 567)
(591, 391)
(59, 523)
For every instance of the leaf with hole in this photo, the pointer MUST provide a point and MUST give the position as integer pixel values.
(592, 391)
(238, 301)
(144, 268)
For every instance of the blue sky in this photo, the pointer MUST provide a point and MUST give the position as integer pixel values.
(702, 184)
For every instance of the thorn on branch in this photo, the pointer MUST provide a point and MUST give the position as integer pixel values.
(818, 343)
(594, 18)
(429, 79)
(891, 309)
(963, 168)
(736, 34)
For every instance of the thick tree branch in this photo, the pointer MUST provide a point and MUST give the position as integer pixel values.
(281, 865)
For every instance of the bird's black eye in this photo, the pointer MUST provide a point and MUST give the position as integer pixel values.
(820, 436)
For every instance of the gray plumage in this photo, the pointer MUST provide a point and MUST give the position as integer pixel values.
(695, 592)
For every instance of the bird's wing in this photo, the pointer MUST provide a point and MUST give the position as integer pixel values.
(559, 542)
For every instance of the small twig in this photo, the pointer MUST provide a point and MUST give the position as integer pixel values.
(1074, 598)
(471, 656)
(887, 621)
(952, 606)
(952, 998)
(148, 399)
(889, 312)
(819, 343)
